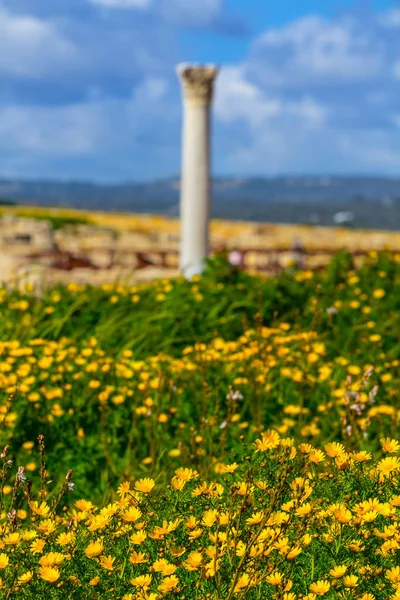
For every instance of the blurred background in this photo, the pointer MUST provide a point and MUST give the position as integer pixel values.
(306, 132)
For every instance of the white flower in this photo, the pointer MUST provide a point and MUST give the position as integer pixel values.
(235, 258)
(21, 477)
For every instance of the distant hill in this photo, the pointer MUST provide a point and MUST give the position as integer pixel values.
(374, 201)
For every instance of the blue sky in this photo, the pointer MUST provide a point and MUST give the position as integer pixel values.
(89, 90)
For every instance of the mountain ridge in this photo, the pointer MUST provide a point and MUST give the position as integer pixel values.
(373, 200)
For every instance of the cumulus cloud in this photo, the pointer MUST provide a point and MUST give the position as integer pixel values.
(316, 94)
(316, 51)
(32, 48)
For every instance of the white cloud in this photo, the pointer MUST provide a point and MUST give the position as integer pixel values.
(138, 4)
(82, 128)
(31, 47)
(312, 95)
(237, 98)
(313, 49)
(63, 130)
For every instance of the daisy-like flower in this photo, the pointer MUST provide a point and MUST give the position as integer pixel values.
(269, 440)
(25, 577)
(316, 456)
(50, 574)
(145, 485)
(334, 449)
(107, 562)
(168, 584)
(137, 558)
(164, 567)
(350, 581)
(320, 587)
(51, 559)
(37, 546)
(388, 465)
(42, 510)
(274, 578)
(131, 515)
(193, 561)
(338, 571)
(124, 488)
(389, 445)
(94, 549)
(141, 581)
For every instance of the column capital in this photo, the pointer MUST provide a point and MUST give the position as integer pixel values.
(197, 82)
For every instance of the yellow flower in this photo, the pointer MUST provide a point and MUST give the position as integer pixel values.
(164, 567)
(275, 578)
(131, 515)
(388, 465)
(303, 510)
(255, 519)
(362, 456)
(378, 293)
(269, 440)
(242, 583)
(320, 587)
(177, 483)
(41, 510)
(338, 571)
(107, 562)
(124, 488)
(393, 574)
(312, 357)
(294, 552)
(51, 559)
(50, 574)
(229, 468)
(350, 581)
(65, 538)
(94, 549)
(47, 526)
(316, 456)
(389, 445)
(141, 581)
(342, 514)
(168, 584)
(209, 517)
(144, 485)
(186, 474)
(137, 558)
(334, 449)
(193, 561)
(12, 539)
(37, 546)
(25, 577)
(3, 560)
(138, 537)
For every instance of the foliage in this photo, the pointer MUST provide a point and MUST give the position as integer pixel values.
(248, 425)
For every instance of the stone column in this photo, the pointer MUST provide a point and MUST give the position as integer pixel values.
(197, 86)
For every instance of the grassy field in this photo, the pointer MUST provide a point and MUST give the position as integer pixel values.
(231, 436)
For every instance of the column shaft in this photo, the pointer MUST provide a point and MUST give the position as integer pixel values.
(195, 188)
(197, 85)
